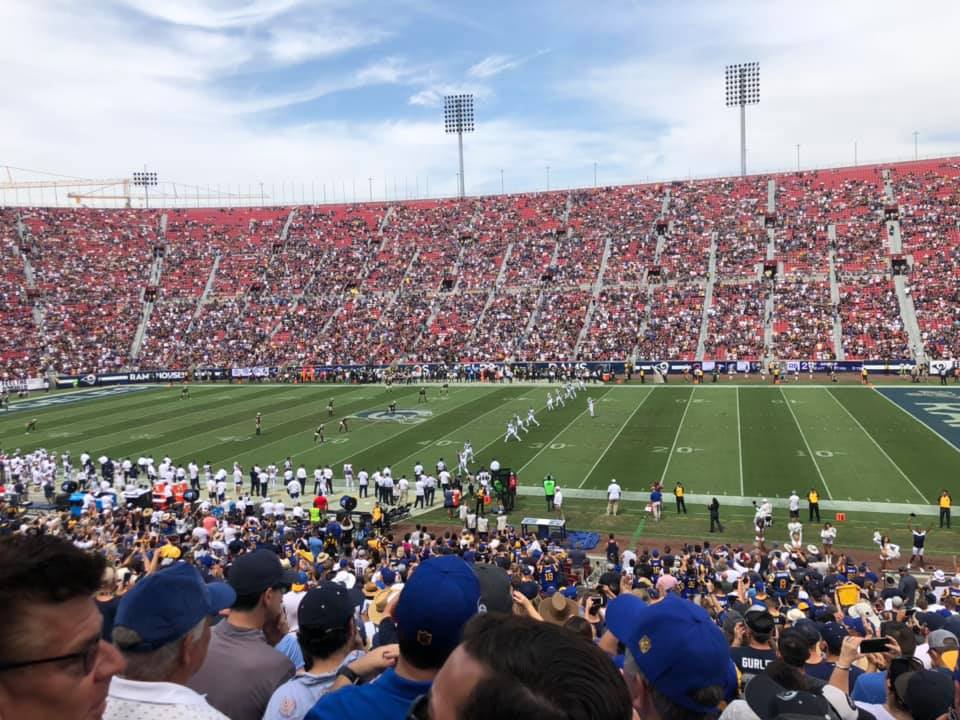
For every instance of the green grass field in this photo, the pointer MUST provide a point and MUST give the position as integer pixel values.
(737, 442)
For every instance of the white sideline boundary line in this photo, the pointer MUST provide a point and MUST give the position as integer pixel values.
(610, 444)
(879, 447)
(786, 401)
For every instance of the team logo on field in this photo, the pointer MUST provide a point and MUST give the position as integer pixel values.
(406, 417)
(934, 394)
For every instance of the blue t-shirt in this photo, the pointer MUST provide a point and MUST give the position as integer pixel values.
(656, 496)
(387, 698)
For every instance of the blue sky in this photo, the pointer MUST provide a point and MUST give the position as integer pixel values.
(313, 93)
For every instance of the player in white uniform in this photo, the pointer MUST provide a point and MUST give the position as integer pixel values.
(549, 402)
(511, 432)
(518, 421)
(348, 475)
(468, 451)
(590, 407)
(531, 418)
(558, 399)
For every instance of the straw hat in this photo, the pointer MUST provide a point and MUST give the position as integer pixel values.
(380, 605)
(370, 589)
(557, 608)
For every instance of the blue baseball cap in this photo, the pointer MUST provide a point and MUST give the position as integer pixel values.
(436, 602)
(167, 604)
(388, 575)
(833, 634)
(855, 624)
(676, 645)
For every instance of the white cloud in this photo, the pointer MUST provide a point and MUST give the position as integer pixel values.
(214, 14)
(493, 65)
(291, 46)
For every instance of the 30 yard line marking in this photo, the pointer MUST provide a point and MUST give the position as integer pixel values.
(610, 445)
(739, 443)
(673, 448)
(553, 440)
(902, 473)
(786, 401)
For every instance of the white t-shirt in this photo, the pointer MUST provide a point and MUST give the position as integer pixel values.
(794, 503)
(557, 498)
(613, 491)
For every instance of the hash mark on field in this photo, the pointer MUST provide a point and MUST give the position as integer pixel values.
(676, 437)
(610, 445)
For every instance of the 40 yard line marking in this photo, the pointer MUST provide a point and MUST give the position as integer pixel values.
(673, 448)
(610, 445)
(786, 401)
(862, 428)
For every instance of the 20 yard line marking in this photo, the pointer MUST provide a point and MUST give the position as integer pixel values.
(902, 473)
(739, 442)
(610, 445)
(673, 448)
(813, 457)
(546, 445)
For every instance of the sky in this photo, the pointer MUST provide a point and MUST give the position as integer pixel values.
(318, 99)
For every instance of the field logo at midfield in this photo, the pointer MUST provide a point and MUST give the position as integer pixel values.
(407, 417)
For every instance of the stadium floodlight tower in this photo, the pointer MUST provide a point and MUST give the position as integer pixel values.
(146, 180)
(458, 118)
(743, 88)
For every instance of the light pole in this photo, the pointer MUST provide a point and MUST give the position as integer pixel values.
(798, 157)
(261, 194)
(458, 118)
(743, 88)
(370, 180)
(594, 174)
(146, 180)
(854, 153)
(548, 178)
(501, 181)
(916, 150)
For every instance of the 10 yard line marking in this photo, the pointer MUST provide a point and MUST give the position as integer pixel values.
(739, 442)
(786, 401)
(607, 449)
(676, 437)
(905, 477)
(546, 445)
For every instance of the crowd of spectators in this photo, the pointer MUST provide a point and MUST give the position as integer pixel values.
(232, 609)
(379, 283)
(735, 322)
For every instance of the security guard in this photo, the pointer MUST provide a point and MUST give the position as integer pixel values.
(813, 497)
(945, 502)
(678, 494)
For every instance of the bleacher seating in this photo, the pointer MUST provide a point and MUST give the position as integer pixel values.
(491, 278)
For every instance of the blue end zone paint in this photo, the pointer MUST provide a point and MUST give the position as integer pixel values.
(48, 401)
(936, 407)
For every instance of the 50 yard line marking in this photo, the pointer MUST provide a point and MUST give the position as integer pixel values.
(739, 441)
(902, 473)
(786, 401)
(610, 445)
(673, 448)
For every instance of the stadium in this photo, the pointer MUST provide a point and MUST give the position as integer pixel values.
(727, 403)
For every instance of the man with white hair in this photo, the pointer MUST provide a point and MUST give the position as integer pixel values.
(163, 631)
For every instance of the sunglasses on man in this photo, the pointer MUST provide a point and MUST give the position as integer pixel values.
(88, 657)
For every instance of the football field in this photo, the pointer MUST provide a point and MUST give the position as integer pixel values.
(878, 449)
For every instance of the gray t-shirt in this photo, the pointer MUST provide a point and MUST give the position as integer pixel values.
(241, 672)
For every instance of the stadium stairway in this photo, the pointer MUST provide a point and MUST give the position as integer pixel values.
(908, 311)
(595, 293)
(707, 298)
(207, 289)
(838, 350)
(156, 271)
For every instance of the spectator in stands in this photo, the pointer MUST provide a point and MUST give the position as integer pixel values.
(515, 668)
(677, 662)
(241, 647)
(436, 602)
(54, 663)
(329, 640)
(163, 630)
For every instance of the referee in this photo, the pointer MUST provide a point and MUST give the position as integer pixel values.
(678, 494)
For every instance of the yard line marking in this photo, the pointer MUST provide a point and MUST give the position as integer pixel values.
(739, 442)
(673, 448)
(914, 417)
(470, 422)
(548, 444)
(786, 401)
(899, 470)
(607, 449)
